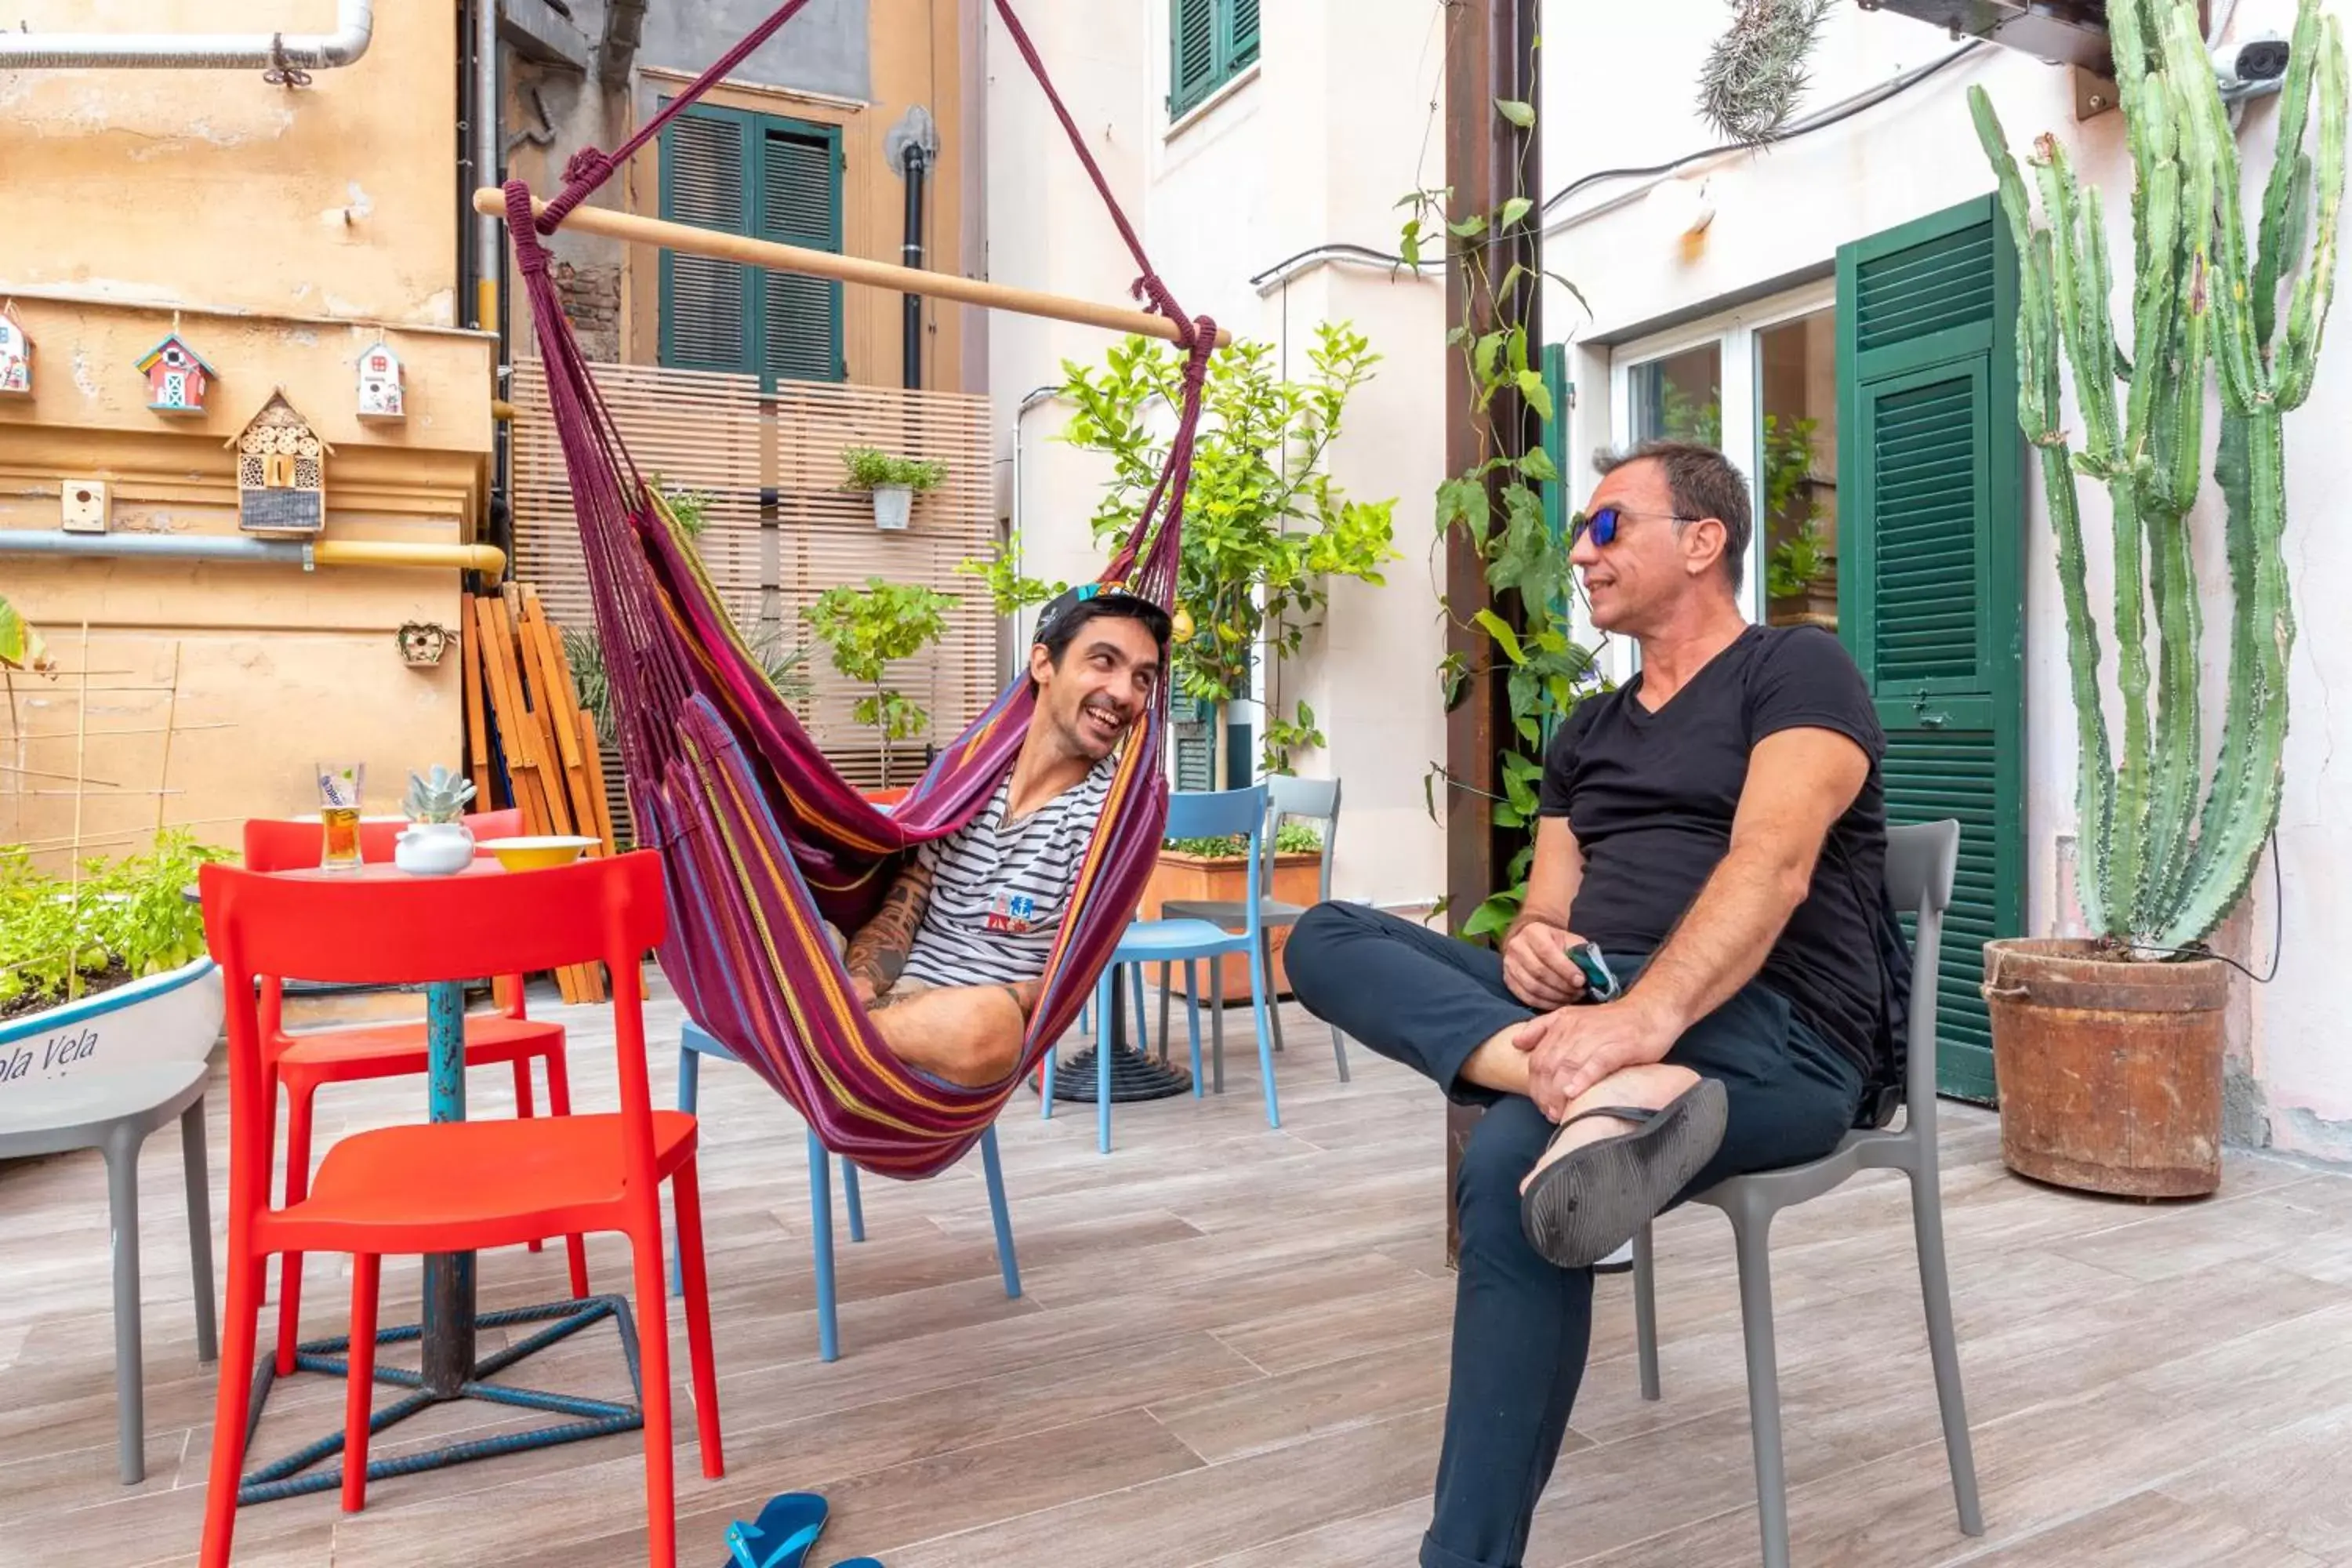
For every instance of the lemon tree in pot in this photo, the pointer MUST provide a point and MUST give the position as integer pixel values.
(1267, 530)
(2108, 1050)
(892, 483)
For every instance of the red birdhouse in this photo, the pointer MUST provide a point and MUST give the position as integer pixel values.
(177, 377)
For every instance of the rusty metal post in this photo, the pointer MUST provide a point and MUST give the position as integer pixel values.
(1490, 54)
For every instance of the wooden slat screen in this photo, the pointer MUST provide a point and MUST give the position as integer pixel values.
(720, 435)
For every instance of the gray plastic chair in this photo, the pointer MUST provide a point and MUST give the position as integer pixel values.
(1920, 863)
(113, 1110)
(1309, 800)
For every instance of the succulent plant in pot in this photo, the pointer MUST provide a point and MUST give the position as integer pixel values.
(438, 842)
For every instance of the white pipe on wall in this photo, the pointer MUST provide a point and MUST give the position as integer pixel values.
(354, 25)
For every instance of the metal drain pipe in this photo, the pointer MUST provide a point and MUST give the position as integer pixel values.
(288, 53)
(488, 559)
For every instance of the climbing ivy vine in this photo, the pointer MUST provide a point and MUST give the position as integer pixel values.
(1499, 504)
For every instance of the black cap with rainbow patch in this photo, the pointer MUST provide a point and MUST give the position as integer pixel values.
(1058, 610)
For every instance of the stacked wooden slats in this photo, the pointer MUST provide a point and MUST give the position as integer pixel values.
(522, 708)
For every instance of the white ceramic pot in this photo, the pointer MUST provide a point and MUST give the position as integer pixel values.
(892, 504)
(172, 1017)
(433, 848)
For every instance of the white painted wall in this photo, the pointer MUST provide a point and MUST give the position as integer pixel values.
(1616, 82)
(1315, 145)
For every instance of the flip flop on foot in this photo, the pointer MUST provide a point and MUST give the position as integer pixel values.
(1590, 1201)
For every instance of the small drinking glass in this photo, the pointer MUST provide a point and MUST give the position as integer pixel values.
(339, 813)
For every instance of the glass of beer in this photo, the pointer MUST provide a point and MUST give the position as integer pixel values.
(339, 813)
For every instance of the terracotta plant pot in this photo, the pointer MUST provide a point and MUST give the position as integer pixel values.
(1297, 880)
(2110, 1069)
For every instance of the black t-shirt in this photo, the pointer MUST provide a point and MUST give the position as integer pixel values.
(1651, 798)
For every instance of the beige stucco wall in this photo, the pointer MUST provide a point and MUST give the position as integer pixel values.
(1314, 145)
(281, 231)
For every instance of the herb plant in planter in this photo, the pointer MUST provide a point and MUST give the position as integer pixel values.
(894, 482)
(869, 629)
(1192, 870)
(2109, 1050)
(107, 969)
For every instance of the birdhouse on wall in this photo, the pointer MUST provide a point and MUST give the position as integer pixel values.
(15, 355)
(380, 389)
(282, 472)
(177, 378)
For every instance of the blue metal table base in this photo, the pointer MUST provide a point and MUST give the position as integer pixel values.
(294, 1476)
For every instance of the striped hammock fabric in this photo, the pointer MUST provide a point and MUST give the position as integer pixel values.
(760, 839)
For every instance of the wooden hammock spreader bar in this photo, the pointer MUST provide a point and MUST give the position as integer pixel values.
(719, 247)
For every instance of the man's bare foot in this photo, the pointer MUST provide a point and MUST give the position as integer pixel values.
(1644, 1088)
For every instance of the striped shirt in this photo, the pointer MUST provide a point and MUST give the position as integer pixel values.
(999, 888)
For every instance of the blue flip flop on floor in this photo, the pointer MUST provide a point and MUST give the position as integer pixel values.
(782, 1536)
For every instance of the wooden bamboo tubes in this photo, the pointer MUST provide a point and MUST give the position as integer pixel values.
(492, 202)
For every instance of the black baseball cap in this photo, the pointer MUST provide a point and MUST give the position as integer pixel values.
(1063, 605)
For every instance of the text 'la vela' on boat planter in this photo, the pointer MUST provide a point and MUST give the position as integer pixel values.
(172, 1017)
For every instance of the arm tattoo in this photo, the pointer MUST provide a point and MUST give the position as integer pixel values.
(878, 953)
(1025, 994)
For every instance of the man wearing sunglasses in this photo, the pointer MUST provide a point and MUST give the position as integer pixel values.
(1709, 855)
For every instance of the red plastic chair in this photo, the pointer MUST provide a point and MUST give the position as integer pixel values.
(304, 1062)
(459, 1186)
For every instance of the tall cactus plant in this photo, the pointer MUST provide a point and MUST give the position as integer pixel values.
(2166, 849)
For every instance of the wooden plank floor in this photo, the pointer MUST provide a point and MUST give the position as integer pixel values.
(1231, 1349)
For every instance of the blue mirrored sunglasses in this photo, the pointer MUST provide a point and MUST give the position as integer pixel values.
(1602, 524)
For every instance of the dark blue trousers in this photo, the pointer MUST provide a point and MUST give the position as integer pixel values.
(1521, 1326)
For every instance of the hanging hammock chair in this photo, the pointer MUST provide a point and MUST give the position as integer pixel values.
(759, 837)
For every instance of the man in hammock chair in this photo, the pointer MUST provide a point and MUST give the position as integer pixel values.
(950, 966)
(1715, 830)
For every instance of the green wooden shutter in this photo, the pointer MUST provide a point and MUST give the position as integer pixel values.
(1241, 34)
(800, 204)
(1194, 747)
(707, 306)
(1193, 45)
(1931, 479)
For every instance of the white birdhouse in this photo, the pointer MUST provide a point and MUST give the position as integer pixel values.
(15, 355)
(380, 389)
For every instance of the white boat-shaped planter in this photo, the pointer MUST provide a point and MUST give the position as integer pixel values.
(172, 1017)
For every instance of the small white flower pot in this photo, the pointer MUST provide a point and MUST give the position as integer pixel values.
(433, 848)
(892, 504)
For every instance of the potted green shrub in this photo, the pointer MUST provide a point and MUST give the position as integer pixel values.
(867, 630)
(1266, 529)
(2108, 1049)
(894, 482)
(105, 969)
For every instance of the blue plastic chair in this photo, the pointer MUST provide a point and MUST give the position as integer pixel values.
(694, 1043)
(1225, 814)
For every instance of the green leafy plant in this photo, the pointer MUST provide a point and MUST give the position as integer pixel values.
(62, 939)
(1009, 591)
(1289, 838)
(1497, 504)
(1266, 529)
(21, 647)
(2160, 872)
(868, 469)
(1797, 559)
(868, 630)
(689, 509)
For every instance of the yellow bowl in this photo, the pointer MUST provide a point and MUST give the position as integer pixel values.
(537, 854)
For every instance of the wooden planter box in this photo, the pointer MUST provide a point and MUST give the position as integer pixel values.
(1297, 880)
